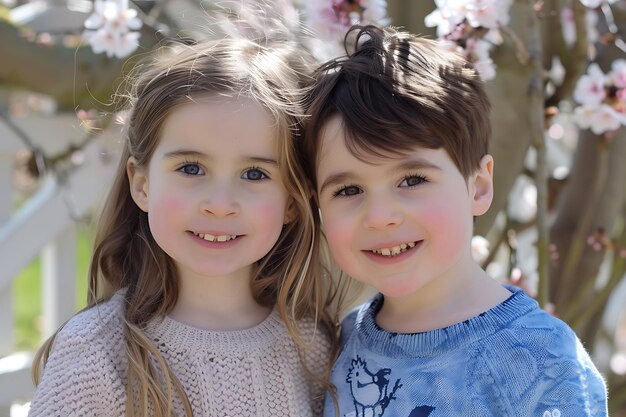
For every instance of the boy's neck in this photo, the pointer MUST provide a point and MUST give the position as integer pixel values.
(442, 303)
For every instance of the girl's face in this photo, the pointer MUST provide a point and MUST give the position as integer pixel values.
(213, 192)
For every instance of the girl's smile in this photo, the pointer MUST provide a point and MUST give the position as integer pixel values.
(213, 191)
(218, 241)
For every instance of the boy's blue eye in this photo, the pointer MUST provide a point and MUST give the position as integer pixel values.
(412, 180)
(191, 169)
(347, 191)
(254, 174)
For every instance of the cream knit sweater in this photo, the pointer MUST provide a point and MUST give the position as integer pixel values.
(253, 372)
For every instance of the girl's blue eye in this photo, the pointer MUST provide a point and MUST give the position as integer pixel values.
(412, 181)
(347, 191)
(191, 169)
(254, 174)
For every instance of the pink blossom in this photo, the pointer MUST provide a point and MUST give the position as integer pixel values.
(330, 19)
(590, 87)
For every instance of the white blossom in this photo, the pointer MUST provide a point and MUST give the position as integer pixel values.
(617, 75)
(600, 118)
(568, 26)
(494, 37)
(486, 69)
(618, 363)
(111, 28)
(480, 248)
(592, 4)
(488, 13)
(591, 25)
(557, 71)
(113, 43)
(447, 15)
(522, 205)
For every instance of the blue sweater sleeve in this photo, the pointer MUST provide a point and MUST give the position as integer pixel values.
(548, 373)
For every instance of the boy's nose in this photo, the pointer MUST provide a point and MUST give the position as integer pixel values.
(381, 214)
(220, 201)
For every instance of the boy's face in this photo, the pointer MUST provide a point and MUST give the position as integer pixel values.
(400, 224)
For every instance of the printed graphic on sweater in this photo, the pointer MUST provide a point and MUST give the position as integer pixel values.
(370, 391)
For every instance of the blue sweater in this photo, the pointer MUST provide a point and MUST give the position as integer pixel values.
(514, 360)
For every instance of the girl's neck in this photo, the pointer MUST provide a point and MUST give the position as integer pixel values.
(218, 303)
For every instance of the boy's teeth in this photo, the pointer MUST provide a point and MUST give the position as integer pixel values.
(396, 250)
(211, 238)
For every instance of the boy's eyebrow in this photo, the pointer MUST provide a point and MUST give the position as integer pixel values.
(416, 163)
(197, 155)
(406, 165)
(261, 160)
(338, 178)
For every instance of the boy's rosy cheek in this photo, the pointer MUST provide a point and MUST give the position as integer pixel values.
(446, 221)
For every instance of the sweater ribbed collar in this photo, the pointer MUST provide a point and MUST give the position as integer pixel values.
(444, 340)
(182, 337)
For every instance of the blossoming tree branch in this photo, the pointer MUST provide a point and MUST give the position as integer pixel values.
(555, 71)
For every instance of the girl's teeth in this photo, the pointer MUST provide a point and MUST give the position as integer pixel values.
(396, 250)
(211, 238)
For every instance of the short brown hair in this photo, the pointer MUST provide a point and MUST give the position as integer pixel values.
(396, 91)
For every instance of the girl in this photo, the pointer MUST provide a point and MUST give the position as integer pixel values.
(206, 247)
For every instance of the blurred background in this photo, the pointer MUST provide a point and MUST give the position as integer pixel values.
(555, 71)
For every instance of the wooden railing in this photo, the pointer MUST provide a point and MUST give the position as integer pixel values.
(45, 227)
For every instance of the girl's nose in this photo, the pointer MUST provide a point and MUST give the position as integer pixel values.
(220, 201)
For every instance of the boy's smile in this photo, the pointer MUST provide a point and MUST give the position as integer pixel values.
(402, 223)
(392, 254)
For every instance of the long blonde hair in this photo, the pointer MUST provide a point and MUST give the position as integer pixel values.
(272, 72)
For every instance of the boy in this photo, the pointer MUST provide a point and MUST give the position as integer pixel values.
(396, 149)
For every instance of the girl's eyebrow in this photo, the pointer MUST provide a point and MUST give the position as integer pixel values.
(183, 153)
(197, 155)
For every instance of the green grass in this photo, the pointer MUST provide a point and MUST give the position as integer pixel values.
(27, 294)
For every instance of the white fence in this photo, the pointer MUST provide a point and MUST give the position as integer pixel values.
(44, 226)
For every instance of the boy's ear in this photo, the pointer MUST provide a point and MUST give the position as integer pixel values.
(138, 182)
(482, 186)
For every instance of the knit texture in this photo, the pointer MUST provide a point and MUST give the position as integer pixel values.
(253, 372)
(514, 360)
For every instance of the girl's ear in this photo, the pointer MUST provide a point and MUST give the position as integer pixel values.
(290, 212)
(138, 182)
(481, 190)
